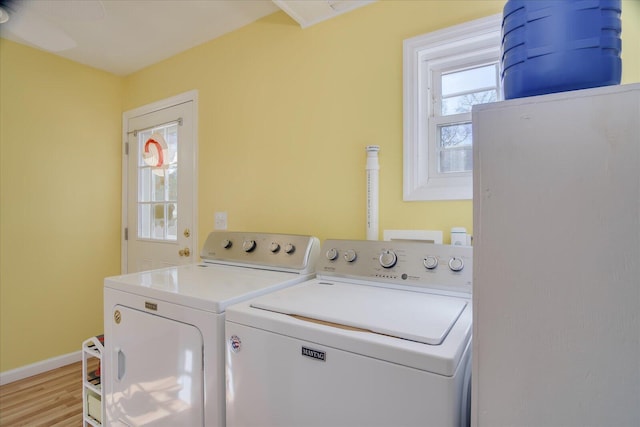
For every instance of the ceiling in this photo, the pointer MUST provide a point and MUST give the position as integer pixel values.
(124, 36)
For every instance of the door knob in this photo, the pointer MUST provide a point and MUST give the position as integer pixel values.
(184, 252)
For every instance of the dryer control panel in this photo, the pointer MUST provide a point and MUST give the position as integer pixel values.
(423, 266)
(285, 252)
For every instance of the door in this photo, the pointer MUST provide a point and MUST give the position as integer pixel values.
(160, 177)
(152, 390)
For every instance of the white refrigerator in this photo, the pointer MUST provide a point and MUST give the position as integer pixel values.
(556, 286)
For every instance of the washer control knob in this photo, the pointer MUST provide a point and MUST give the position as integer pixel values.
(226, 244)
(249, 245)
(275, 247)
(289, 248)
(456, 264)
(350, 255)
(430, 262)
(388, 259)
(332, 254)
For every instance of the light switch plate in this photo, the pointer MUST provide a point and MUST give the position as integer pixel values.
(220, 221)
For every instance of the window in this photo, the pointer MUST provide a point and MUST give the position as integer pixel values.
(158, 187)
(445, 73)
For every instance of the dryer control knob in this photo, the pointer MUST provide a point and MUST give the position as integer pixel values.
(350, 255)
(249, 245)
(226, 244)
(456, 264)
(388, 259)
(430, 262)
(332, 254)
(289, 248)
(275, 247)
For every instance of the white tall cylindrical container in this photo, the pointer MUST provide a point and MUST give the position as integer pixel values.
(373, 168)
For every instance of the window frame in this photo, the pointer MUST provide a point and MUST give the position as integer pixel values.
(465, 44)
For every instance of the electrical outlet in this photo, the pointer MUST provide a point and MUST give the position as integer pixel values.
(220, 221)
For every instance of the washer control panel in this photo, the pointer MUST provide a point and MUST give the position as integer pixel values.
(405, 263)
(289, 252)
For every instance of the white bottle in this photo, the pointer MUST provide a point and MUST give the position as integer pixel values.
(459, 236)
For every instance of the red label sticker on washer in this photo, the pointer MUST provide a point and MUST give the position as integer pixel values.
(235, 343)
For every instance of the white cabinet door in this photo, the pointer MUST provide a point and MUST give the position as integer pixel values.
(156, 371)
(556, 279)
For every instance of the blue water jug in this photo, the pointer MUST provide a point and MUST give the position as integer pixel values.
(559, 45)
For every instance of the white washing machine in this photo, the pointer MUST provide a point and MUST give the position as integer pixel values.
(164, 329)
(381, 337)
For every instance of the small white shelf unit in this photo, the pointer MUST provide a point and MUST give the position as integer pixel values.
(92, 406)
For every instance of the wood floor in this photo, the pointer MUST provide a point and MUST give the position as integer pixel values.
(49, 399)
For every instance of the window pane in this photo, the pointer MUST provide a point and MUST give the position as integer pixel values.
(159, 222)
(455, 153)
(463, 103)
(469, 80)
(158, 185)
(455, 135)
(171, 136)
(171, 179)
(144, 221)
(144, 184)
(456, 160)
(172, 221)
(143, 136)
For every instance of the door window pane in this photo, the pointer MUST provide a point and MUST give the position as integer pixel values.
(144, 221)
(172, 221)
(171, 177)
(171, 136)
(157, 184)
(159, 222)
(144, 184)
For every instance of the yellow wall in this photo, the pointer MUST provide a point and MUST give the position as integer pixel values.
(630, 41)
(60, 179)
(286, 113)
(284, 116)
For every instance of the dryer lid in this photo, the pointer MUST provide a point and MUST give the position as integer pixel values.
(414, 316)
(208, 287)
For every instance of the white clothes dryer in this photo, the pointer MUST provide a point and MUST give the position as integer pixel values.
(381, 337)
(164, 329)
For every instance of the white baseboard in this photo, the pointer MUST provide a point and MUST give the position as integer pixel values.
(7, 377)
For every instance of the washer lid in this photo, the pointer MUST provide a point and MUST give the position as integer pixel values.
(414, 316)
